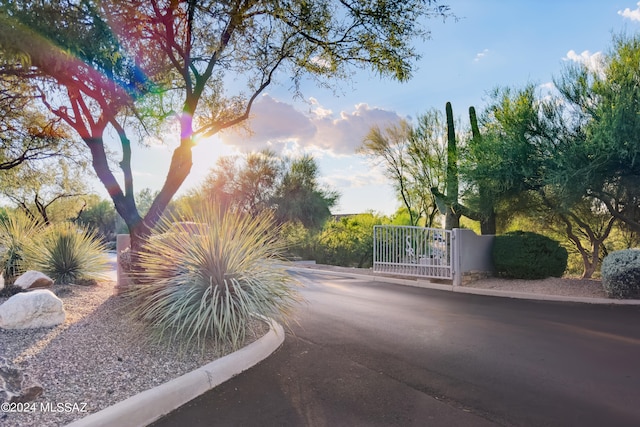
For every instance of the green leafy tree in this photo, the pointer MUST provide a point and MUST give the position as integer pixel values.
(530, 145)
(95, 63)
(98, 215)
(245, 184)
(414, 159)
(262, 181)
(299, 196)
(605, 115)
(26, 133)
(144, 199)
(349, 240)
(46, 190)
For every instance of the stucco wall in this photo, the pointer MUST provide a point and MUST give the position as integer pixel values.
(472, 253)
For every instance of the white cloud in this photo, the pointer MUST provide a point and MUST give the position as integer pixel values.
(593, 61)
(547, 87)
(481, 55)
(318, 110)
(634, 14)
(356, 179)
(282, 128)
(344, 134)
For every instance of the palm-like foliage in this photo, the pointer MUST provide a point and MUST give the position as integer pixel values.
(16, 232)
(208, 278)
(68, 253)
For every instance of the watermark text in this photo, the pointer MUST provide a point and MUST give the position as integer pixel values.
(29, 407)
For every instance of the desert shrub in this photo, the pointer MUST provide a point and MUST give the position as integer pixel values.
(68, 253)
(526, 255)
(16, 232)
(206, 283)
(299, 241)
(10, 290)
(621, 274)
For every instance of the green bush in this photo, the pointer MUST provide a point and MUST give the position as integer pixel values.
(300, 242)
(68, 253)
(205, 283)
(348, 241)
(526, 255)
(621, 274)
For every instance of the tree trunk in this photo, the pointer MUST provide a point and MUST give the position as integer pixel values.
(487, 213)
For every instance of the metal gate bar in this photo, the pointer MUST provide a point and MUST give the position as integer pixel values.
(412, 251)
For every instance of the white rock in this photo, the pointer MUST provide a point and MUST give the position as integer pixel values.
(35, 309)
(33, 279)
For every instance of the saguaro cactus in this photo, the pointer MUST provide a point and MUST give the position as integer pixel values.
(448, 204)
(452, 218)
(486, 214)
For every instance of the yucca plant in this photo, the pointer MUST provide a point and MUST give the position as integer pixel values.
(68, 253)
(202, 282)
(16, 232)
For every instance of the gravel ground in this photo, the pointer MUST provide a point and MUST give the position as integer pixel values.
(575, 287)
(97, 358)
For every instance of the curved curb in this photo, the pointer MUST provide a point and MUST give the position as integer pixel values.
(150, 405)
(422, 283)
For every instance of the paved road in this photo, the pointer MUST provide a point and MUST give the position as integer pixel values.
(376, 354)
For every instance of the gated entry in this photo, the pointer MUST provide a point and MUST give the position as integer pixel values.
(412, 251)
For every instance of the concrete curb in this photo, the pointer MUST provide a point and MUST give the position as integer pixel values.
(420, 283)
(150, 405)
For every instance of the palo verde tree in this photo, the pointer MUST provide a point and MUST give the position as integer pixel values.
(46, 187)
(577, 150)
(27, 133)
(414, 159)
(244, 184)
(389, 147)
(529, 143)
(97, 63)
(258, 182)
(605, 114)
(299, 197)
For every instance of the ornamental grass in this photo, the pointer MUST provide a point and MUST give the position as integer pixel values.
(204, 281)
(16, 233)
(68, 254)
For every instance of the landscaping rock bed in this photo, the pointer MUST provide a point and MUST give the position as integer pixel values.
(95, 359)
(564, 286)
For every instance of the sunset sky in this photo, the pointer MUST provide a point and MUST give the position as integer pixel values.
(493, 43)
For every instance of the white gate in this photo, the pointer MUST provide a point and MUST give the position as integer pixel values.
(412, 251)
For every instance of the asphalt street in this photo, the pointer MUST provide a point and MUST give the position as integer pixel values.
(364, 353)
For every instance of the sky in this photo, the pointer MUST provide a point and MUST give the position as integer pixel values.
(492, 43)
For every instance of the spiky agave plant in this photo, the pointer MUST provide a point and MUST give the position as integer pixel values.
(203, 281)
(68, 253)
(16, 232)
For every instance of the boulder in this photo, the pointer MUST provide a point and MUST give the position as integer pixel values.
(16, 386)
(33, 280)
(36, 309)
